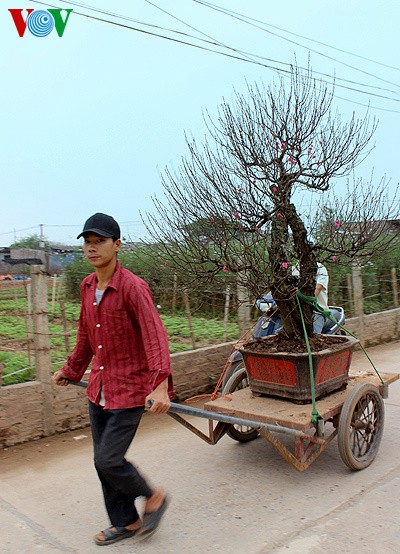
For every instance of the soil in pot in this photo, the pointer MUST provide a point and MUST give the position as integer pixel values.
(280, 343)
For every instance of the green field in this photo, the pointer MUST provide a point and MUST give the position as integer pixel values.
(15, 327)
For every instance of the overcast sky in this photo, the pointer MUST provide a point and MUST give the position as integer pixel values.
(89, 120)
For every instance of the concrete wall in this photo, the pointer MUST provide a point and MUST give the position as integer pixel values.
(376, 328)
(30, 411)
(20, 254)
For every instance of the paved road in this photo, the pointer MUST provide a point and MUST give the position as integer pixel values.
(228, 498)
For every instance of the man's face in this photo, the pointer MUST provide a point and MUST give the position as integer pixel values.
(100, 251)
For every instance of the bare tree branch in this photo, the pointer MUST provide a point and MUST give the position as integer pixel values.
(232, 205)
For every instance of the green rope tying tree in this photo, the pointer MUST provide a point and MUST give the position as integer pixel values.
(312, 301)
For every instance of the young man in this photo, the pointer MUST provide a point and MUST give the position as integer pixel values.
(121, 333)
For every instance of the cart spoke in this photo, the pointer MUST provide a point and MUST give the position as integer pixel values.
(364, 424)
(361, 426)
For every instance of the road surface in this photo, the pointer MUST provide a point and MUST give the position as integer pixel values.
(228, 498)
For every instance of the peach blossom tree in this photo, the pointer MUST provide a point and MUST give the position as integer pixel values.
(263, 192)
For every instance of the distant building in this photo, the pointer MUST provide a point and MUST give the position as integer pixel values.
(16, 261)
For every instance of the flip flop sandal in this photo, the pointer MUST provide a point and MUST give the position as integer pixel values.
(151, 521)
(114, 534)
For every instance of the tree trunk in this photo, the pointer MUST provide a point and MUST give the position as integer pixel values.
(282, 287)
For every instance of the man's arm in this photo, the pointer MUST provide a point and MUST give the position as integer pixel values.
(141, 308)
(318, 289)
(60, 379)
(160, 399)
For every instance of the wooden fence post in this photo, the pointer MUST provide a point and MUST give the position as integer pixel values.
(226, 310)
(394, 288)
(28, 325)
(175, 288)
(65, 328)
(358, 296)
(54, 293)
(350, 292)
(189, 316)
(243, 308)
(42, 342)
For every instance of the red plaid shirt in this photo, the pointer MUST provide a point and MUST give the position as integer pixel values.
(124, 338)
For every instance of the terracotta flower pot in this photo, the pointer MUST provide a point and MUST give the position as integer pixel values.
(287, 375)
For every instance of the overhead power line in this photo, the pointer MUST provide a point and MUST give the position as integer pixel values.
(209, 4)
(237, 54)
(215, 41)
(19, 230)
(249, 20)
(61, 226)
(250, 55)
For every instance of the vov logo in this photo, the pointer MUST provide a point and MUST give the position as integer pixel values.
(40, 23)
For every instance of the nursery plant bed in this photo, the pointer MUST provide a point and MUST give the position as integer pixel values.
(287, 374)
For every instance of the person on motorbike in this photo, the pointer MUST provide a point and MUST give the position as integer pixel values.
(321, 293)
(270, 323)
(266, 304)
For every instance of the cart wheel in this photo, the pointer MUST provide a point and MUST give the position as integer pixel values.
(236, 366)
(361, 426)
(241, 433)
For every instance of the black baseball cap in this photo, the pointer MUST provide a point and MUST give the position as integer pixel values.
(103, 225)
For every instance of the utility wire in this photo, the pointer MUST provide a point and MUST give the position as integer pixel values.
(19, 230)
(215, 42)
(237, 57)
(310, 39)
(245, 19)
(77, 226)
(170, 38)
(251, 56)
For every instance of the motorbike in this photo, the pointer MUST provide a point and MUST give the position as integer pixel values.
(270, 323)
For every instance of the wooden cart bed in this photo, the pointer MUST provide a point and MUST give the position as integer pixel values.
(266, 409)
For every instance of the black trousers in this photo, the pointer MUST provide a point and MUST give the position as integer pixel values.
(113, 432)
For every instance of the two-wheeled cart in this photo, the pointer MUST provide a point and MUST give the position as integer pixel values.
(355, 415)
